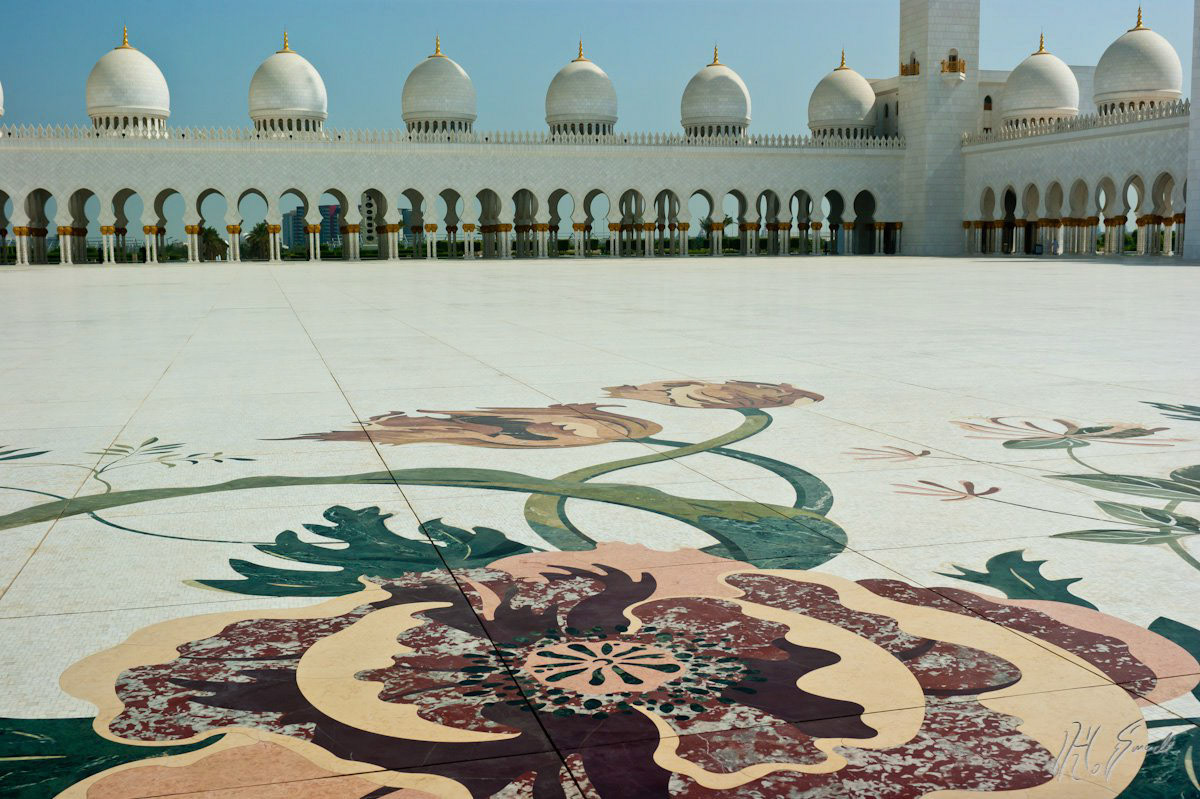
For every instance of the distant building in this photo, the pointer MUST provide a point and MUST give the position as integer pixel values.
(293, 227)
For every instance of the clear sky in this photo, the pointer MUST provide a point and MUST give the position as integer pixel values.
(364, 49)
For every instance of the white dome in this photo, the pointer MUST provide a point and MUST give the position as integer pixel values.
(126, 82)
(287, 86)
(438, 90)
(715, 95)
(581, 92)
(1041, 87)
(843, 99)
(1142, 66)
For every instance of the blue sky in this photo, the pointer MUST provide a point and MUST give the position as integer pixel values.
(208, 49)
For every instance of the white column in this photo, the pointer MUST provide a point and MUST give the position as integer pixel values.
(64, 245)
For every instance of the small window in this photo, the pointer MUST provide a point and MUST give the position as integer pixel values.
(987, 103)
(885, 110)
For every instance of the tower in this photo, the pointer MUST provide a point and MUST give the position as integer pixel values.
(1191, 244)
(939, 87)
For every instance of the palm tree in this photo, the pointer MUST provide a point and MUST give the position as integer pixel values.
(212, 245)
(258, 241)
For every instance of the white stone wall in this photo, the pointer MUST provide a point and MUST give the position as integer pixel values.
(934, 112)
(106, 166)
(1191, 244)
(1145, 151)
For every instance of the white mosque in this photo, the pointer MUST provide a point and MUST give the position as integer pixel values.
(944, 158)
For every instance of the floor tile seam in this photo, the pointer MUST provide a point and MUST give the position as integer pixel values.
(494, 646)
(957, 541)
(971, 460)
(111, 610)
(532, 329)
(998, 695)
(1051, 649)
(414, 769)
(395, 313)
(100, 458)
(867, 427)
(234, 507)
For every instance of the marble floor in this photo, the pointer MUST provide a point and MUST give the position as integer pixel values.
(807, 528)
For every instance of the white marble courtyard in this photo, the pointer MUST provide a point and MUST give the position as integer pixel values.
(917, 376)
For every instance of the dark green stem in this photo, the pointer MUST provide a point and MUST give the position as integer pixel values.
(692, 511)
(1178, 548)
(547, 515)
(1071, 454)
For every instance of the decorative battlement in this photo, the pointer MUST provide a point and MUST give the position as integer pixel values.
(22, 134)
(1179, 108)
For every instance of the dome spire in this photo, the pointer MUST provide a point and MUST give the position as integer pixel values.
(581, 56)
(286, 48)
(437, 46)
(125, 39)
(1041, 45)
(716, 61)
(1139, 26)
(843, 64)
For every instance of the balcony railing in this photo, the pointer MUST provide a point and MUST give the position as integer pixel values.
(952, 66)
(1179, 108)
(21, 135)
(911, 68)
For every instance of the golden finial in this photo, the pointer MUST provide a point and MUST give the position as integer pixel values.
(1139, 17)
(1041, 45)
(580, 57)
(286, 47)
(437, 45)
(843, 64)
(125, 38)
(715, 60)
